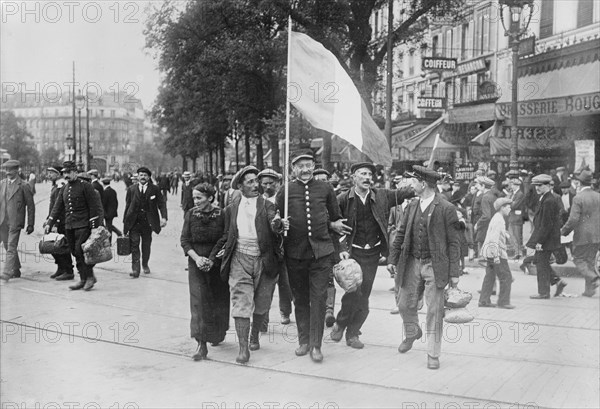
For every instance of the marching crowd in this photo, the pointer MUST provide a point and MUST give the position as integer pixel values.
(247, 234)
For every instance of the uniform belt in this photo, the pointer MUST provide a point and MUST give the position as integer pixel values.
(367, 246)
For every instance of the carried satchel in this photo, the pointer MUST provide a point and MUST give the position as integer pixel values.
(97, 248)
(458, 316)
(348, 275)
(123, 246)
(54, 243)
(456, 298)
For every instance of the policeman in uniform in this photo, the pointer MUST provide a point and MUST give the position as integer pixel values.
(309, 249)
(64, 263)
(79, 203)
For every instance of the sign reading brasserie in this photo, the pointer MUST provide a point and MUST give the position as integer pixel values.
(533, 141)
(570, 105)
(438, 63)
(431, 103)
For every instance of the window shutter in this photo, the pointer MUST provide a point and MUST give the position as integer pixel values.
(585, 12)
(547, 18)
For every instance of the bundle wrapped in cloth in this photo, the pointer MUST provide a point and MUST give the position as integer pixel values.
(348, 275)
(97, 248)
(54, 243)
(455, 302)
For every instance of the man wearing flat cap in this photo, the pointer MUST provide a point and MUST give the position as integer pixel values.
(516, 217)
(15, 198)
(488, 198)
(425, 255)
(584, 220)
(309, 249)
(143, 203)
(249, 259)
(366, 211)
(270, 182)
(545, 237)
(79, 204)
(321, 174)
(228, 192)
(64, 262)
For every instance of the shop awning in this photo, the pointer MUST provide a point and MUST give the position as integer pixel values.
(426, 138)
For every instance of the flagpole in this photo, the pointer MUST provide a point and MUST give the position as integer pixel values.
(287, 124)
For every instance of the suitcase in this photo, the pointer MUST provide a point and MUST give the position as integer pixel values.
(54, 243)
(123, 246)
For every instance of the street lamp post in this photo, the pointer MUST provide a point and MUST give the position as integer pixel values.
(69, 147)
(80, 103)
(87, 126)
(514, 32)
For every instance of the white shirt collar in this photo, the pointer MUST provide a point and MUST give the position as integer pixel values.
(362, 198)
(424, 203)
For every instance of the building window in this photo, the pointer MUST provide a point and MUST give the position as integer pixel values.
(411, 62)
(481, 34)
(400, 65)
(434, 46)
(112, 113)
(449, 41)
(463, 41)
(546, 18)
(463, 89)
(434, 90)
(585, 13)
(101, 112)
(411, 103)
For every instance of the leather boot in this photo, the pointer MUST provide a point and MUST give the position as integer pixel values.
(330, 303)
(242, 328)
(257, 320)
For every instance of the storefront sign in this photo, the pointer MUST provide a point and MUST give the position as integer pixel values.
(585, 154)
(438, 63)
(527, 46)
(533, 141)
(431, 103)
(571, 105)
(472, 66)
(464, 173)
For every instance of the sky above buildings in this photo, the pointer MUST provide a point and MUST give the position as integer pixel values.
(39, 40)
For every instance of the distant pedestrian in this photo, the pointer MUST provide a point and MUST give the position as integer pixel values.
(95, 181)
(488, 198)
(584, 220)
(15, 198)
(143, 204)
(545, 237)
(494, 250)
(110, 204)
(187, 201)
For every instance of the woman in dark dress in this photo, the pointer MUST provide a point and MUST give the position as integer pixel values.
(209, 295)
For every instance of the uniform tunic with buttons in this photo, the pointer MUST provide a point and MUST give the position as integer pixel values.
(311, 206)
(79, 203)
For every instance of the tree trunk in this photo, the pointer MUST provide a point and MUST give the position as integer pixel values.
(260, 163)
(274, 142)
(237, 152)
(194, 163)
(210, 162)
(326, 153)
(184, 165)
(247, 139)
(222, 152)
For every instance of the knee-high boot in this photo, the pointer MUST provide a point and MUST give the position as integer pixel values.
(242, 328)
(257, 320)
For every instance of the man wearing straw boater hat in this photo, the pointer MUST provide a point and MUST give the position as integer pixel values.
(309, 249)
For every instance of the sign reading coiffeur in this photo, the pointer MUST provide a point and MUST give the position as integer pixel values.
(438, 63)
(431, 103)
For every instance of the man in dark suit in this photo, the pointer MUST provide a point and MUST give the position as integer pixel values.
(164, 184)
(110, 204)
(558, 178)
(487, 208)
(94, 175)
(80, 204)
(515, 218)
(249, 259)
(545, 237)
(141, 218)
(584, 219)
(15, 198)
(64, 262)
(309, 249)
(425, 257)
(187, 200)
(367, 211)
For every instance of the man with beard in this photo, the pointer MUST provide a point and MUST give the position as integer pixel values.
(309, 249)
(64, 262)
(367, 211)
(79, 203)
(15, 197)
(142, 205)
(249, 259)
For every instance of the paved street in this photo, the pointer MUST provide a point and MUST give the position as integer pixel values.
(126, 344)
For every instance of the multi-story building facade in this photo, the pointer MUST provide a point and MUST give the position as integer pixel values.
(558, 66)
(116, 126)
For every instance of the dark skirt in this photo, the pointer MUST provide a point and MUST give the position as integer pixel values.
(209, 303)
